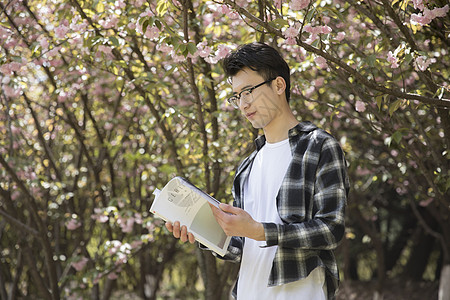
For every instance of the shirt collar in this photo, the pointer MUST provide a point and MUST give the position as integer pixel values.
(293, 132)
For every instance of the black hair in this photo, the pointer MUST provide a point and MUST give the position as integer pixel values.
(260, 58)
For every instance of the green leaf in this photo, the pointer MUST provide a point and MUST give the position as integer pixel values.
(371, 59)
(162, 7)
(114, 41)
(192, 48)
(279, 23)
(145, 25)
(394, 106)
(397, 136)
(158, 24)
(94, 41)
(379, 100)
(408, 58)
(439, 93)
(310, 15)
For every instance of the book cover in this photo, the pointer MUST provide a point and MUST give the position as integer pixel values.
(182, 201)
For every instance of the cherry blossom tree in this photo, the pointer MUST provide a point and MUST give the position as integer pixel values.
(102, 101)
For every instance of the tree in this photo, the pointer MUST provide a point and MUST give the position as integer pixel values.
(102, 101)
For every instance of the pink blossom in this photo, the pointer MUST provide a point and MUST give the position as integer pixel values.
(137, 218)
(54, 51)
(223, 9)
(420, 19)
(152, 32)
(11, 92)
(325, 29)
(4, 33)
(79, 265)
(112, 276)
(277, 3)
(393, 60)
(321, 62)
(311, 38)
(326, 19)
(126, 224)
(6, 79)
(15, 195)
(103, 218)
(135, 244)
(108, 126)
(164, 48)
(208, 19)
(113, 246)
(291, 41)
(105, 49)
(139, 3)
(437, 12)
(178, 58)
(418, 4)
(340, 36)
(43, 42)
(319, 82)
(110, 22)
(121, 259)
(119, 4)
(309, 28)
(231, 14)
(429, 15)
(291, 32)
(73, 224)
(11, 67)
(299, 4)
(211, 60)
(203, 50)
(421, 63)
(360, 106)
(61, 31)
(147, 13)
(425, 203)
(362, 171)
(97, 278)
(222, 51)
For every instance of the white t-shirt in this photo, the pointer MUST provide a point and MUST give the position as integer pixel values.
(260, 191)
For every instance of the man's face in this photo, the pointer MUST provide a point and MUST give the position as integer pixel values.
(261, 106)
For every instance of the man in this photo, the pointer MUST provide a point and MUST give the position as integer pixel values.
(289, 194)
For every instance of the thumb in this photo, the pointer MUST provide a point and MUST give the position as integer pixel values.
(228, 208)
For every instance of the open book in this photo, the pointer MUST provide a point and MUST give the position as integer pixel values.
(181, 201)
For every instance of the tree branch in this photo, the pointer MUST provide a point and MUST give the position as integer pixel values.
(361, 79)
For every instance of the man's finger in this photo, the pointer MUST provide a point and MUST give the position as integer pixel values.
(229, 209)
(191, 238)
(176, 229)
(183, 235)
(169, 226)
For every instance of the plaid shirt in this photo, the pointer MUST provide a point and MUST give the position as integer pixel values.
(311, 203)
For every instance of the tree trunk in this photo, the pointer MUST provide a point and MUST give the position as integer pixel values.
(444, 286)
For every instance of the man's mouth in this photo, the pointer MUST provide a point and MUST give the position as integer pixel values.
(249, 115)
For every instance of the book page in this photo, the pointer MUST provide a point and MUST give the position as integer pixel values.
(181, 201)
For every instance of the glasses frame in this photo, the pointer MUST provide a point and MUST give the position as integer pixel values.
(233, 100)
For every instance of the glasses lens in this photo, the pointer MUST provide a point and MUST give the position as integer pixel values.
(246, 95)
(233, 101)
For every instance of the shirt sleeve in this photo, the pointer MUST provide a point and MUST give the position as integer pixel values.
(234, 250)
(326, 227)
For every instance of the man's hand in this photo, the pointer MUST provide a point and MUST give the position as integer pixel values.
(237, 222)
(180, 233)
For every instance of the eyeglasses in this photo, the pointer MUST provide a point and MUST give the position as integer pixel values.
(246, 94)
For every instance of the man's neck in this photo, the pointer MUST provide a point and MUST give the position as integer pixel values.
(278, 130)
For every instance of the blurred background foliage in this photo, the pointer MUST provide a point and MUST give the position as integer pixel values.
(102, 101)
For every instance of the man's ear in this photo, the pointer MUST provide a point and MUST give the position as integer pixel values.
(280, 85)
